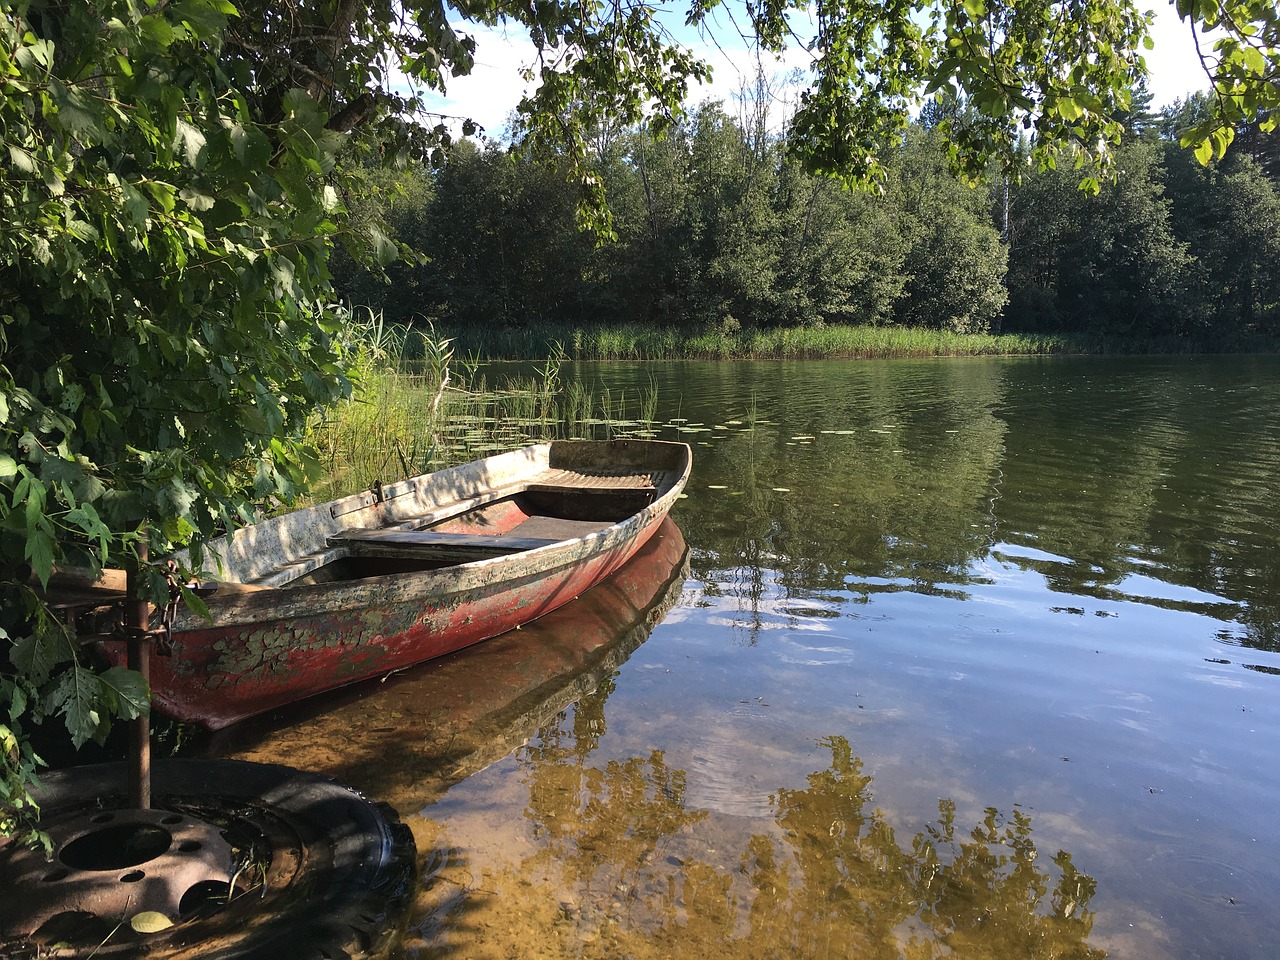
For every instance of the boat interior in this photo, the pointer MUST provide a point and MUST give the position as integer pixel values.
(495, 525)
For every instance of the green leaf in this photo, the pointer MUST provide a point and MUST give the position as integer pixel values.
(156, 29)
(49, 644)
(251, 419)
(16, 697)
(75, 114)
(127, 692)
(195, 199)
(177, 497)
(251, 147)
(384, 250)
(1222, 138)
(1069, 109)
(41, 546)
(163, 194)
(189, 141)
(22, 160)
(78, 697)
(195, 603)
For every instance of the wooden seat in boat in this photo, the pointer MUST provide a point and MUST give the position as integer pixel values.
(430, 545)
(595, 481)
(462, 547)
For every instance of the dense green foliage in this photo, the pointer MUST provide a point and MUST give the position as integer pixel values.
(162, 263)
(723, 238)
(1172, 248)
(716, 228)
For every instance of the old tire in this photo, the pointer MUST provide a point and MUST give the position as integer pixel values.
(339, 870)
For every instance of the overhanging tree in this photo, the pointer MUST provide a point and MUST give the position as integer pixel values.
(164, 228)
(175, 173)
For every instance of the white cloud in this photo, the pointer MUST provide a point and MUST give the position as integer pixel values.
(489, 94)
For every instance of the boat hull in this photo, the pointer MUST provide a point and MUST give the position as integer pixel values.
(263, 649)
(220, 675)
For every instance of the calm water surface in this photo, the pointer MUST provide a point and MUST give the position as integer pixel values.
(970, 658)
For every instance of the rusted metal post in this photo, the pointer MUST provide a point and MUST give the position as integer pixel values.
(136, 620)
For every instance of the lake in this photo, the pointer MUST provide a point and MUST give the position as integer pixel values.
(975, 657)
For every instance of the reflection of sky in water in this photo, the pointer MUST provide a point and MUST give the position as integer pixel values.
(1150, 588)
(1017, 552)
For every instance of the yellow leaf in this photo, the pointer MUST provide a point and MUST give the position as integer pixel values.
(150, 921)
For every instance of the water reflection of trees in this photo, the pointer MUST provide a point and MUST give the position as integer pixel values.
(828, 878)
(980, 893)
(1119, 468)
(876, 502)
(1152, 468)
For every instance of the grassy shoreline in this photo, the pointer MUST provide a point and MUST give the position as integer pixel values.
(414, 410)
(629, 342)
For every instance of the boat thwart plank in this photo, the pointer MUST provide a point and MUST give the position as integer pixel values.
(428, 544)
(597, 479)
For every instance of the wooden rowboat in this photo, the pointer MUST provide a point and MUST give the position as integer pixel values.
(412, 570)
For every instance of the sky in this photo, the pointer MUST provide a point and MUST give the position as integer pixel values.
(491, 92)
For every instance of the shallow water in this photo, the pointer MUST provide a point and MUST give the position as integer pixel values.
(975, 658)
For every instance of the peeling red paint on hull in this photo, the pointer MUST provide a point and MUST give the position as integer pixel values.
(269, 647)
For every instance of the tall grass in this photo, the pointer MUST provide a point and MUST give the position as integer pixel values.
(630, 342)
(416, 408)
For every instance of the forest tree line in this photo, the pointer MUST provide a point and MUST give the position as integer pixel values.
(717, 227)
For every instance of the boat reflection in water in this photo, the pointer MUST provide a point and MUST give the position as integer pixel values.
(407, 738)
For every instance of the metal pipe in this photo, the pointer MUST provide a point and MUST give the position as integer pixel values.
(137, 619)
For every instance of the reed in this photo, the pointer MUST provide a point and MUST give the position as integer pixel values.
(630, 342)
(414, 408)
(834, 342)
